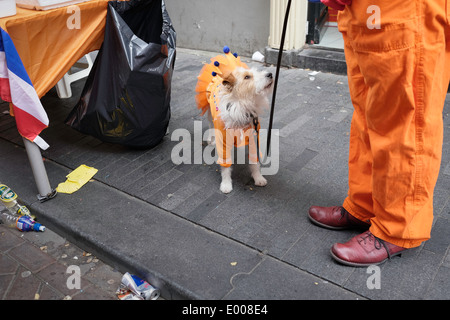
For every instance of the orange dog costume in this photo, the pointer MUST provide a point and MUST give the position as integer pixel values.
(398, 78)
(208, 87)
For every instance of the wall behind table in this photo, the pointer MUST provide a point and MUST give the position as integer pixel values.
(209, 25)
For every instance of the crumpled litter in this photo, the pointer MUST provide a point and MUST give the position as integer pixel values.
(134, 288)
(258, 56)
(76, 179)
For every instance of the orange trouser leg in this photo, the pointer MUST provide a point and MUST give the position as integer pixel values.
(398, 60)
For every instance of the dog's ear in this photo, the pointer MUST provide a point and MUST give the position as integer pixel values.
(229, 82)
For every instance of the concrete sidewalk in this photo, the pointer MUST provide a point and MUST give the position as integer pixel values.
(35, 266)
(170, 224)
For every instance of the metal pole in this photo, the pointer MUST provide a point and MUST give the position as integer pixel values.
(39, 172)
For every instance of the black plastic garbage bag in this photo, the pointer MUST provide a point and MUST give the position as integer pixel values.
(126, 98)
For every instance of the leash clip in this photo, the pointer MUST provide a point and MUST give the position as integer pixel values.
(255, 123)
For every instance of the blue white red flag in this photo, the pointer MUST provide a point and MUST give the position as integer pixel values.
(16, 87)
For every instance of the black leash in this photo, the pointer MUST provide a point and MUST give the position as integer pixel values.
(275, 85)
(280, 54)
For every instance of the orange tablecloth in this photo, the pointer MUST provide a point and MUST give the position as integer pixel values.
(48, 47)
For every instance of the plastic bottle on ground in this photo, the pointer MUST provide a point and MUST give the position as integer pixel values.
(9, 199)
(23, 223)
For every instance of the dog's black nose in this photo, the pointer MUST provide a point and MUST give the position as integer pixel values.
(269, 75)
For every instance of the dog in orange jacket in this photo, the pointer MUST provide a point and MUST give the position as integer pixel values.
(234, 96)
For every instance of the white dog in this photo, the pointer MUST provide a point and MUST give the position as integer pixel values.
(234, 96)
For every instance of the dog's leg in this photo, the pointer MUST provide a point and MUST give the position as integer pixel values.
(226, 184)
(211, 139)
(260, 181)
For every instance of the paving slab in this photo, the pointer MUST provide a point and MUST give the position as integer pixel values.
(171, 224)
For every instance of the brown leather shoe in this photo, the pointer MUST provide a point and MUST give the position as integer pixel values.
(335, 218)
(364, 250)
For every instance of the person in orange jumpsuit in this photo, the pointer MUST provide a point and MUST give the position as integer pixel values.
(398, 67)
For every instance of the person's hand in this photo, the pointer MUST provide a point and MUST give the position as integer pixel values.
(337, 4)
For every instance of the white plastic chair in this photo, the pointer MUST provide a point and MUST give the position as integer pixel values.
(63, 86)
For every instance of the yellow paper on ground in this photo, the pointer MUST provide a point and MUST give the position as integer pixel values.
(76, 179)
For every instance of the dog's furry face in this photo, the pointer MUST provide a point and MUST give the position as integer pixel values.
(245, 95)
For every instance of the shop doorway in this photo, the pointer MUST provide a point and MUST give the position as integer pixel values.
(322, 27)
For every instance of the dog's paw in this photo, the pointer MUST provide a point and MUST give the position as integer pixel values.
(260, 181)
(226, 187)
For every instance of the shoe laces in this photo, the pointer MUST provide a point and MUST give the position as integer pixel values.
(377, 242)
(343, 213)
(348, 217)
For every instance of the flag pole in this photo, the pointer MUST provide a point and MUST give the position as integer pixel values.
(39, 173)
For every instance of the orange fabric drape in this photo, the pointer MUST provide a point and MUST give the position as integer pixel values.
(50, 42)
